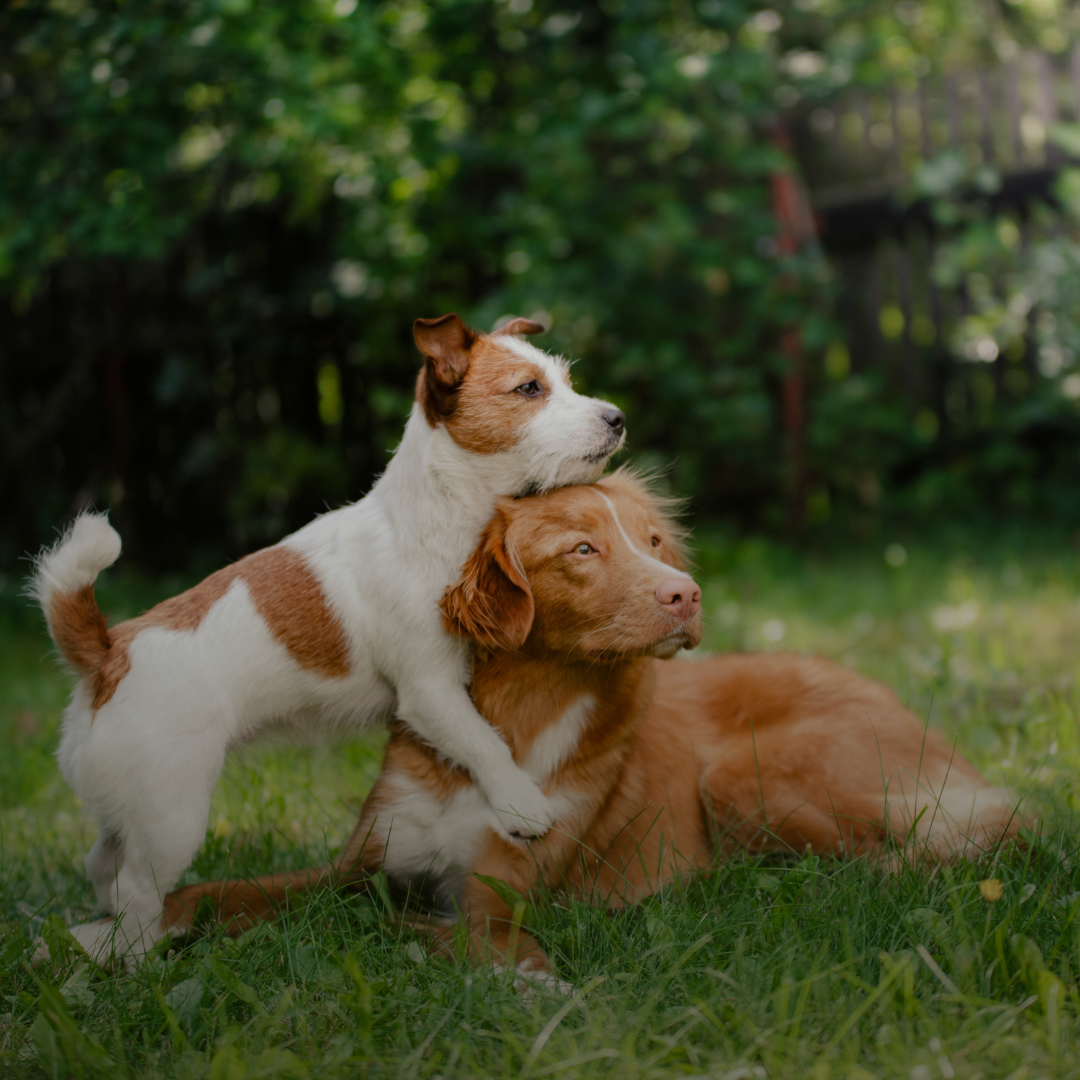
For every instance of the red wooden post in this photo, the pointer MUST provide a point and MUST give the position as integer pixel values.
(795, 227)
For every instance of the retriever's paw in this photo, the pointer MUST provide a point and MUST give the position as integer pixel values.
(532, 976)
(41, 954)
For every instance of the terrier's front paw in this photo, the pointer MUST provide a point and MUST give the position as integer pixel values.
(525, 814)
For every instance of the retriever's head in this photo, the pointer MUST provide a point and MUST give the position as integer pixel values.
(590, 572)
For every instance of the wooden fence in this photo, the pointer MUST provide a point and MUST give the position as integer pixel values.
(859, 156)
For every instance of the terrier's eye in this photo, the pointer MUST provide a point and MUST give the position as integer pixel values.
(584, 549)
(656, 541)
(529, 389)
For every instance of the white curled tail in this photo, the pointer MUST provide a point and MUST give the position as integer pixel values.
(63, 584)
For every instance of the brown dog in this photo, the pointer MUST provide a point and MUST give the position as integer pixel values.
(576, 599)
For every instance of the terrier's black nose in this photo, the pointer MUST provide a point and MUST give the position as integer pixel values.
(616, 418)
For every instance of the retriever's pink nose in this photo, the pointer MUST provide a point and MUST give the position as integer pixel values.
(680, 595)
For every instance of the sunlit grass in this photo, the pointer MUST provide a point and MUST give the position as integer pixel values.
(983, 638)
(782, 969)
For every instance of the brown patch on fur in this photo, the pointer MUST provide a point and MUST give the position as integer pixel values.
(283, 589)
(79, 629)
(115, 664)
(288, 596)
(488, 415)
(446, 343)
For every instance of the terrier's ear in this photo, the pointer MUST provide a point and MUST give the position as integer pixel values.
(491, 603)
(518, 326)
(446, 343)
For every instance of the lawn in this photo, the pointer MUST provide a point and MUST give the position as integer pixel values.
(796, 968)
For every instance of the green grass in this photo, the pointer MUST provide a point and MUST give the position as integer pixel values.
(781, 968)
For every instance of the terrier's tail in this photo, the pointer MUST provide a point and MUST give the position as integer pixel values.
(63, 584)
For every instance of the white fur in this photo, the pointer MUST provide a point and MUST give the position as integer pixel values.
(75, 560)
(145, 764)
(948, 818)
(655, 563)
(542, 452)
(530, 977)
(556, 743)
(423, 837)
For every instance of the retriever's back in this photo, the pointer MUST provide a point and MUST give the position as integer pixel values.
(797, 750)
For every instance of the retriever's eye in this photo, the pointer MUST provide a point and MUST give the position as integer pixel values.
(529, 389)
(656, 541)
(584, 549)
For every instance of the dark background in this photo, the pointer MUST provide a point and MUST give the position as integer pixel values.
(218, 221)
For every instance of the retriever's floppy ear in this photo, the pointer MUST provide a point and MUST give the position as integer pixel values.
(518, 326)
(491, 603)
(446, 343)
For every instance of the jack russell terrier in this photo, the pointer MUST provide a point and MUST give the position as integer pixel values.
(336, 627)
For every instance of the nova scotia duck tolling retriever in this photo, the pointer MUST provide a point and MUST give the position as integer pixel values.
(577, 601)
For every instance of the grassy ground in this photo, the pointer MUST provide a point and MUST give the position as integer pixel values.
(795, 969)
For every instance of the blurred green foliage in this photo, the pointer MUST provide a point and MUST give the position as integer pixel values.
(218, 220)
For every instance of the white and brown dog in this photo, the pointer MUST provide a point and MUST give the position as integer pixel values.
(336, 627)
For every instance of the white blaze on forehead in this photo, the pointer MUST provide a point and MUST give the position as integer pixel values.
(554, 367)
(630, 543)
(555, 744)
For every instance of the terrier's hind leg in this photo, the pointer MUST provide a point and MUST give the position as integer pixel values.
(103, 863)
(152, 863)
(161, 815)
